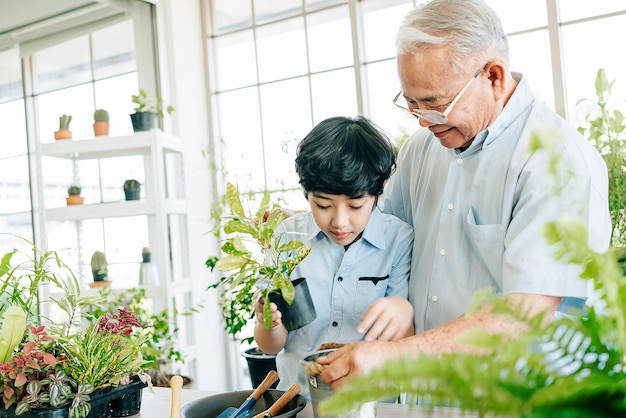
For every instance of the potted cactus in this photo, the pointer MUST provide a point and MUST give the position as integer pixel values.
(64, 128)
(132, 189)
(73, 196)
(99, 267)
(101, 122)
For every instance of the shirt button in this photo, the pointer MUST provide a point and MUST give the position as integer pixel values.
(450, 206)
(335, 323)
(340, 279)
(434, 298)
(442, 252)
(459, 161)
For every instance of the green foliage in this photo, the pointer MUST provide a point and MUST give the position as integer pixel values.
(570, 367)
(606, 129)
(74, 190)
(64, 121)
(101, 115)
(253, 255)
(143, 103)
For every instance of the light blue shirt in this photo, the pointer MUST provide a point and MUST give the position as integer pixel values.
(479, 214)
(343, 284)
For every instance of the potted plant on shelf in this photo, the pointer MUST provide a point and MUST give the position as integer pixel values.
(64, 128)
(132, 189)
(99, 268)
(101, 122)
(62, 368)
(73, 196)
(147, 111)
(257, 261)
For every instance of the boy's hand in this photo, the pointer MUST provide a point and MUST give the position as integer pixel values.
(387, 319)
(276, 314)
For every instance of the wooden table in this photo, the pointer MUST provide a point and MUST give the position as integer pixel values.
(157, 405)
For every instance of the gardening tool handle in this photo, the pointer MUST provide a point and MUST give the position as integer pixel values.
(269, 380)
(176, 384)
(284, 399)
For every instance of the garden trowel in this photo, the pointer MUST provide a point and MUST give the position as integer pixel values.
(248, 404)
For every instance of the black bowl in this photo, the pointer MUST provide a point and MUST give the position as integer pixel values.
(212, 406)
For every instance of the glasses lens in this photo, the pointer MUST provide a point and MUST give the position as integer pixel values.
(431, 116)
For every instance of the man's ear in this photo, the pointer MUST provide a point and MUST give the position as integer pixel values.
(497, 75)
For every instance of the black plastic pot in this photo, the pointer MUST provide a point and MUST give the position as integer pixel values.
(132, 194)
(259, 365)
(301, 312)
(144, 121)
(99, 276)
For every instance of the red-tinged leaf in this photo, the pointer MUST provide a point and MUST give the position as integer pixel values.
(20, 380)
(8, 393)
(29, 346)
(49, 358)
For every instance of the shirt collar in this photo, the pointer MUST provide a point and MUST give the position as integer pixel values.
(374, 232)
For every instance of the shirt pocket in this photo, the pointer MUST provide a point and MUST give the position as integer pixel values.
(368, 290)
(485, 252)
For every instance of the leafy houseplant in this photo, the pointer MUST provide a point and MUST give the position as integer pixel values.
(73, 196)
(268, 263)
(606, 129)
(64, 128)
(99, 267)
(59, 364)
(132, 189)
(101, 122)
(147, 111)
(570, 367)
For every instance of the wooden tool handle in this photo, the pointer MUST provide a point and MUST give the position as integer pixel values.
(280, 402)
(269, 380)
(176, 384)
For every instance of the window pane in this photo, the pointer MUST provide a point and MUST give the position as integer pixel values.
(286, 120)
(282, 50)
(267, 10)
(334, 94)
(62, 65)
(530, 14)
(232, 52)
(316, 4)
(331, 27)
(579, 9)
(75, 101)
(231, 14)
(114, 50)
(14, 187)
(591, 37)
(10, 75)
(380, 27)
(13, 140)
(530, 55)
(241, 136)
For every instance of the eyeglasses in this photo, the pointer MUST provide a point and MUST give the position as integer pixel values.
(434, 116)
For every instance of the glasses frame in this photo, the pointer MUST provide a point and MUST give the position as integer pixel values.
(434, 116)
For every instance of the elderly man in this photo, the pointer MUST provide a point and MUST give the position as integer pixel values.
(478, 199)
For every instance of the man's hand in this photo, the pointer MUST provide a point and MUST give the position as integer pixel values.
(387, 319)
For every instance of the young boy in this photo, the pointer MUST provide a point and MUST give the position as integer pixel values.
(359, 265)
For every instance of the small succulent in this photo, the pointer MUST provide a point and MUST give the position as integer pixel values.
(144, 104)
(131, 184)
(74, 190)
(99, 262)
(64, 121)
(101, 115)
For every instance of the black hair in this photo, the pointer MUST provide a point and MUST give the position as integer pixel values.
(349, 156)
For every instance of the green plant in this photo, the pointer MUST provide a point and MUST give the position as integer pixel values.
(143, 103)
(607, 131)
(60, 363)
(253, 254)
(570, 367)
(74, 190)
(64, 121)
(131, 184)
(101, 115)
(99, 262)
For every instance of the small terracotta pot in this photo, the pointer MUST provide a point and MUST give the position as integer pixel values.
(63, 133)
(101, 128)
(74, 199)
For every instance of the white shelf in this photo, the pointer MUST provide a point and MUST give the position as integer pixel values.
(113, 210)
(141, 143)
